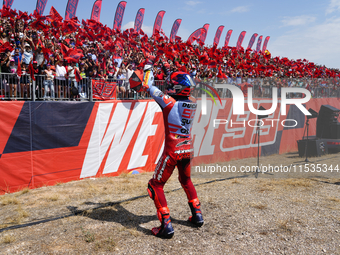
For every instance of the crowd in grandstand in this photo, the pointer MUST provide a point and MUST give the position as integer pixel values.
(65, 51)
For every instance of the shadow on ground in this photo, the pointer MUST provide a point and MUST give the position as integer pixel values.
(117, 213)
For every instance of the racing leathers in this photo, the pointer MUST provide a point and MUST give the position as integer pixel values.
(178, 115)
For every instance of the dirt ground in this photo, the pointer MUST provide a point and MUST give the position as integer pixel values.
(272, 214)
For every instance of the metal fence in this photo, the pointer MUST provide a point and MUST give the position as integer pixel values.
(13, 87)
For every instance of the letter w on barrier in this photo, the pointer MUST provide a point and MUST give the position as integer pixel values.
(110, 138)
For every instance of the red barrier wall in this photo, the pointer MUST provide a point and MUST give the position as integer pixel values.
(42, 143)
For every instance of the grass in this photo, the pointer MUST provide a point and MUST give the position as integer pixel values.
(9, 200)
(285, 225)
(259, 206)
(333, 199)
(235, 181)
(23, 191)
(107, 244)
(7, 239)
(88, 236)
(53, 197)
(19, 216)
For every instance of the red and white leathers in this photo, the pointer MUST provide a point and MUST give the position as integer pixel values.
(178, 116)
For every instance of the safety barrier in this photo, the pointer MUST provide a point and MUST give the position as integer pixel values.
(13, 87)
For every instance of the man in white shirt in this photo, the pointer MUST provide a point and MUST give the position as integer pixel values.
(61, 78)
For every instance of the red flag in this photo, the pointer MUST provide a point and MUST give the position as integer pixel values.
(74, 55)
(227, 38)
(71, 9)
(19, 72)
(97, 7)
(174, 29)
(23, 16)
(240, 40)
(6, 46)
(117, 22)
(77, 75)
(252, 40)
(218, 35)
(204, 33)
(40, 7)
(8, 3)
(139, 20)
(64, 49)
(196, 35)
(55, 15)
(158, 22)
(31, 71)
(264, 47)
(258, 46)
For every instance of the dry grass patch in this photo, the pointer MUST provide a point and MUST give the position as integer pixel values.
(9, 200)
(299, 200)
(259, 206)
(289, 183)
(7, 239)
(134, 232)
(88, 236)
(23, 191)
(53, 197)
(265, 187)
(333, 199)
(236, 181)
(285, 225)
(18, 216)
(107, 245)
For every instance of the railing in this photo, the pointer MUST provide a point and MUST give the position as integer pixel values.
(13, 87)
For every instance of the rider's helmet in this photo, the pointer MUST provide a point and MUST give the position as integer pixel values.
(179, 84)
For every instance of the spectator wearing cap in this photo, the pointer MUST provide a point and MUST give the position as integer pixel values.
(49, 84)
(28, 53)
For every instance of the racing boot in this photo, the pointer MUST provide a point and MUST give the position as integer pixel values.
(195, 207)
(165, 230)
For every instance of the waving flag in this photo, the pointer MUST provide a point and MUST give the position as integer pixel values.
(40, 8)
(139, 19)
(77, 75)
(218, 35)
(196, 35)
(31, 71)
(204, 33)
(19, 71)
(71, 9)
(252, 40)
(264, 47)
(240, 40)
(8, 3)
(174, 29)
(96, 9)
(158, 22)
(117, 22)
(55, 15)
(227, 37)
(258, 46)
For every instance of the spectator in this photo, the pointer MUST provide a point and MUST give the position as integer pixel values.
(13, 78)
(61, 75)
(49, 84)
(25, 82)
